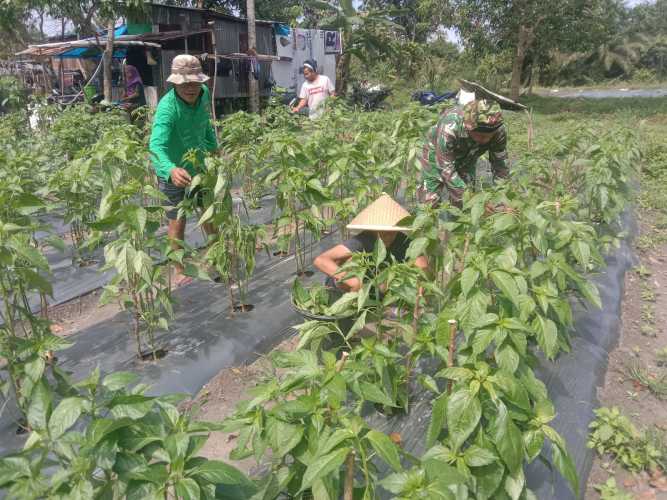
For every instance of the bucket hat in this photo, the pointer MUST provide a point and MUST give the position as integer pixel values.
(186, 68)
(384, 214)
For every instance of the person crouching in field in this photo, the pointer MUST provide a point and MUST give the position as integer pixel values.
(182, 123)
(381, 219)
(452, 147)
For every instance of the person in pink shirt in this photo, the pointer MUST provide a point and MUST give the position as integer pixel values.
(314, 91)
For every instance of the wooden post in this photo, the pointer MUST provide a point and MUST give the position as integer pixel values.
(108, 58)
(214, 46)
(60, 65)
(253, 87)
(348, 492)
(452, 350)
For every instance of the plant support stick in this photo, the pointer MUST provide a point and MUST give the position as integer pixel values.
(452, 349)
(349, 477)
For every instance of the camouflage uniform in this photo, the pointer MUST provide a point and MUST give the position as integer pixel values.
(449, 155)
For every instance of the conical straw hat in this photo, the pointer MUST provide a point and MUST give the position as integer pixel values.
(382, 215)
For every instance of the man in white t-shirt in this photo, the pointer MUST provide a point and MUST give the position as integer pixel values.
(314, 91)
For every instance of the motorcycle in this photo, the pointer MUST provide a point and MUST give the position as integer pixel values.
(428, 98)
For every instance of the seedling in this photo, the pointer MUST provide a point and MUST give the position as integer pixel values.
(647, 293)
(613, 434)
(610, 491)
(656, 384)
(642, 271)
(661, 357)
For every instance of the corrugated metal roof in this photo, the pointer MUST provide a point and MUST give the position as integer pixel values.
(169, 35)
(55, 49)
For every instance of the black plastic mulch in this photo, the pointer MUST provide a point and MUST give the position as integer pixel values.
(71, 281)
(572, 381)
(203, 339)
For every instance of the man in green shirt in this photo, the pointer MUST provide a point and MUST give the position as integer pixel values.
(182, 123)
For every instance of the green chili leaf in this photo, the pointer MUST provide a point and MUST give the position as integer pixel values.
(323, 466)
(385, 448)
(463, 414)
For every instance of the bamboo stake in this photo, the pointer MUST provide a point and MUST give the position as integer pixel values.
(465, 253)
(530, 129)
(341, 363)
(349, 477)
(452, 349)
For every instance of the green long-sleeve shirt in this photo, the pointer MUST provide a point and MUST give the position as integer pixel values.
(179, 127)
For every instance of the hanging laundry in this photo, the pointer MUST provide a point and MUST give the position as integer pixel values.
(254, 67)
(332, 42)
(225, 68)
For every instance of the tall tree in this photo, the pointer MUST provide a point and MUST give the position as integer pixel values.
(523, 26)
(364, 33)
(648, 18)
(108, 12)
(419, 18)
(287, 11)
(253, 88)
(15, 21)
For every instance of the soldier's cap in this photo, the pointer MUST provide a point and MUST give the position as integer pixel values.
(482, 115)
(186, 68)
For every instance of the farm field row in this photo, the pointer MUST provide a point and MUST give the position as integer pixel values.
(497, 298)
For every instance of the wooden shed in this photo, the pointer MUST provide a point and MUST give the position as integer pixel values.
(189, 30)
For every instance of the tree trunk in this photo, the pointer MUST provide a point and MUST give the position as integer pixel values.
(108, 58)
(253, 87)
(60, 66)
(42, 35)
(342, 73)
(531, 76)
(524, 43)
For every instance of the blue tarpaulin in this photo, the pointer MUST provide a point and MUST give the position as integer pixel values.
(90, 53)
(281, 29)
(95, 52)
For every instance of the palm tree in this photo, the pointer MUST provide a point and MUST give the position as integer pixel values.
(623, 52)
(656, 54)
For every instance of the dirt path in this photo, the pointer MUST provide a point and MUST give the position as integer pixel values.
(79, 314)
(643, 337)
(218, 399)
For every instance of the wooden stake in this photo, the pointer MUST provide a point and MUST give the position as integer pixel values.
(253, 87)
(341, 363)
(349, 477)
(452, 350)
(530, 129)
(465, 253)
